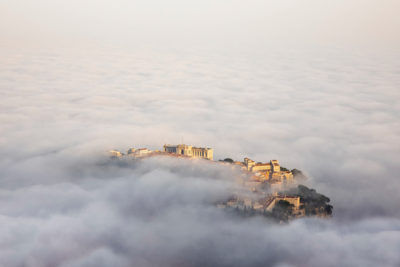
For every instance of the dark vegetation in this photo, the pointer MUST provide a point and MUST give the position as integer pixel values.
(282, 211)
(229, 160)
(314, 203)
(298, 175)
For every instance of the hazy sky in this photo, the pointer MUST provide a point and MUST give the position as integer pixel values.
(314, 84)
(355, 22)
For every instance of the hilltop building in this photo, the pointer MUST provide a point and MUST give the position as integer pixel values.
(294, 200)
(275, 166)
(252, 166)
(266, 203)
(271, 172)
(115, 154)
(139, 152)
(190, 151)
(131, 151)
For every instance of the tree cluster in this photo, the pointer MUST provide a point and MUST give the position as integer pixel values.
(314, 203)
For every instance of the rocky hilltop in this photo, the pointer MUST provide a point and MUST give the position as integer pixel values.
(265, 188)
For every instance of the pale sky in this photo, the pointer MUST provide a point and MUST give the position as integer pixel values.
(316, 22)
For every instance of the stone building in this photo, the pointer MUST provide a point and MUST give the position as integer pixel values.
(270, 202)
(131, 151)
(142, 152)
(261, 167)
(275, 166)
(249, 163)
(190, 151)
(135, 153)
(252, 166)
(115, 154)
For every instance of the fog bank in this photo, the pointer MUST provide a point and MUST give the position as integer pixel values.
(314, 84)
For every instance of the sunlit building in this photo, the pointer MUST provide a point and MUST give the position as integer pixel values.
(190, 151)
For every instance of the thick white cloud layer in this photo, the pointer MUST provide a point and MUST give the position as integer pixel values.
(333, 115)
(160, 212)
(237, 86)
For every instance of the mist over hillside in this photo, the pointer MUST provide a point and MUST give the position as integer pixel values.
(160, 211)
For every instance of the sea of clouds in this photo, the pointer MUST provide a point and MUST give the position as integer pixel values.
(330, 111)
(62, 204)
